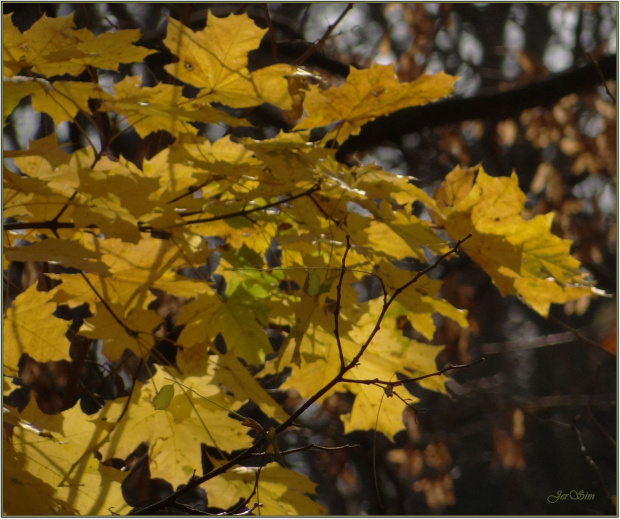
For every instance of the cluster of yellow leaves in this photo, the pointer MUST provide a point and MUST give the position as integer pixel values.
(522, 256)
(130, 230)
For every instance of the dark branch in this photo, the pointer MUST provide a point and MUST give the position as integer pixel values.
(51, 225)
(315, 447)
(391, 385)
(245, 212)
(338, 302)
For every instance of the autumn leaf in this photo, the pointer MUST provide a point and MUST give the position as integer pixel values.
(45, 147)
(24, 493)
(175, 433)
(63, 99)
(66, 252)
(237, 321)
(53, 47)
(30, 327)
(368, 94)
(162, 107)
(282, 491)
(522, 256)
(199, 365)
(215, 60)
(63, 468)
(121, 330)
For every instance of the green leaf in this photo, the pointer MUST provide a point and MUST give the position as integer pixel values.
(312, 286)
(163, 397)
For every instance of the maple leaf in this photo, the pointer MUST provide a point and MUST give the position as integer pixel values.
(26, 494)
(30, 327)
(46, 147)
(368, 94)
(215, 60)
(420, 300)
(60, 100)
(174, 433)
(521, 256)
(162, 107)
(53, 47)
(61, 466)
(121, 330)
(235, 319)
(388, 354)
(281, 490)
(68, 253)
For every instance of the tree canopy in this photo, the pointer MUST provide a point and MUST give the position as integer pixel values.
(189, 289)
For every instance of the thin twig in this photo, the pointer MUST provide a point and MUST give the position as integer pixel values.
(338, 301)
(391, 385)
(313, 446)
(65, 207)
(245, 212)
(338, 378)
(591, 462)
(51, 225)
(580, 335)
(316, 45)
(272, 34)
(602, 76)
(261, 440)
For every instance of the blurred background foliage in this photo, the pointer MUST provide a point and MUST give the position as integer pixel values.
(539, 417)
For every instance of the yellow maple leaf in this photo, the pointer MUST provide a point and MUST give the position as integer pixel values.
(174, 433)
(419, 301)
(46, 147)
(53, 47)
(368, 94)
(226, 371)
(24, 493)
(124, 330)
(62, 466)
(30, 327)
(66, 252)
(61, 100)
(215, 60)
(162, 107)
(522, 256)
(237, 319)
(388, 354)
(282, 491)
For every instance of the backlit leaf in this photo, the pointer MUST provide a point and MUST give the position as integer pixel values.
(522, 256)
(368, 94)
(30, 327)
(215, 60)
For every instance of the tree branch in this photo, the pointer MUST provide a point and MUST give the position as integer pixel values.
(386, 304)
(338, 302)
(245, 212)
(391, 385)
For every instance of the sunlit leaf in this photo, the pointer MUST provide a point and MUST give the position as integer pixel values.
(368, 94)
(30, 327)
(522, 256)
(215, 60)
